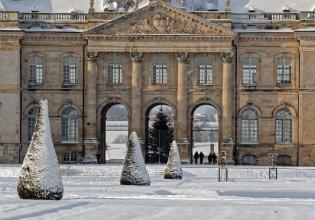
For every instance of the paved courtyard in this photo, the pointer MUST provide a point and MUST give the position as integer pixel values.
(198, 195)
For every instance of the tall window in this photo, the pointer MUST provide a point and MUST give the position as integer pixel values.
(284, 71)
(250, 71)
(249, 127)
(69, 71)
(36, 64)
(204, 70)
(159, 70)
(283, 127)
(114, 69)
(69, 125)
(31, 121)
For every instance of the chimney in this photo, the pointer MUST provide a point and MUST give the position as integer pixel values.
(91, 9)
(152, 1)
(227, 5)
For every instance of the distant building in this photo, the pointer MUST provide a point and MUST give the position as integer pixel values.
(253, 63)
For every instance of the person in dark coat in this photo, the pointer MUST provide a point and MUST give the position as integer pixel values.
(210, 158)
(196, 156)
(214, 158)
(201, 155)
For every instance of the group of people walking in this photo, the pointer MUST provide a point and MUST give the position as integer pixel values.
(212, 158)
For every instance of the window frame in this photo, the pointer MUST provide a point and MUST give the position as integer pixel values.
(69, 158)
(204, 70)
(35, 67)
(70, 70)
(284, 66)
(251, 126)
(31, 124)
(283, 135)
(251, 62)
(114, 69)
(65, 120)
(160, 73)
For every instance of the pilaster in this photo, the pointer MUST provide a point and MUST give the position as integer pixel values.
(181, 124)
(136, 94)
(227, 140)
(91, 142)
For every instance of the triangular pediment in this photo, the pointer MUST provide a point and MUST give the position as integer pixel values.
(160, 18)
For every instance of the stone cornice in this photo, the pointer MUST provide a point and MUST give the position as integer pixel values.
(11, 35)
(131, 38)
(54, 36)
(257, 36)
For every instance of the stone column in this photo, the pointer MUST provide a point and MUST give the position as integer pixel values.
(91, 142)
(227, 140)
(136, 94)
(181, 123)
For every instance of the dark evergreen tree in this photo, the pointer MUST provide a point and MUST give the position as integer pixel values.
(160, 137)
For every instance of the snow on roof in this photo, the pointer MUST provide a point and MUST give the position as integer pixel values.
(256, 30)
(237, 6)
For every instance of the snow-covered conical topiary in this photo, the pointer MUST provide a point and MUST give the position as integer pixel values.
(40, 176)
(173, 168)
(134, 171)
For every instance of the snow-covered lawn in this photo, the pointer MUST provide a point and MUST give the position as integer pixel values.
(93, 192)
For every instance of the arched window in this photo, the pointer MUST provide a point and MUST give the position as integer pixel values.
(204, 70)
(250, 71)
(31, 122)
(36, 65)
(249, 160)
(249, 127)
(284, 160)
(159, 70)
(69, 125)
(114, 69)
(283, 127)
(69, 70)
(284, 71)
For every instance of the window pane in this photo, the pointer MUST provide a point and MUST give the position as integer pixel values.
(114, 68)
(249, 127)
(284, 71)
(31, 122)
(69, 125)
(250, 71)
(283, 127)
(159, 70)
(205, 74)
(35, 70)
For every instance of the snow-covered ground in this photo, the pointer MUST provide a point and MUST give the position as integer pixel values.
(93, 192)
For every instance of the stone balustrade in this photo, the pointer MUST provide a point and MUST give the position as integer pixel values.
(54, 17)
(4, 15)
(264, 17)
(211, 15)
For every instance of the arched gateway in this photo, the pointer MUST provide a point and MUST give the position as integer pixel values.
(114, 133)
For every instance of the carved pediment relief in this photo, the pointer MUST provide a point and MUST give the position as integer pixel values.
(160, 23)
(160, 18)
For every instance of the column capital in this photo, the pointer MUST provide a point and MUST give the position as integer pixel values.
(137, 57)
(182, 57)
(227, 57)
(91, 58)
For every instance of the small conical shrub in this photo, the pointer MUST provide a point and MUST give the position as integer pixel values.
(134, 171)
(173, 168)
(40, 176)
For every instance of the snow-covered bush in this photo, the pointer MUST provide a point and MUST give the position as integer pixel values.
(134, 171)
(173, 168)
(40, 176)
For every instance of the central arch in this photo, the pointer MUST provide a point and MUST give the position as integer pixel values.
(158, 137)
(205, 131)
